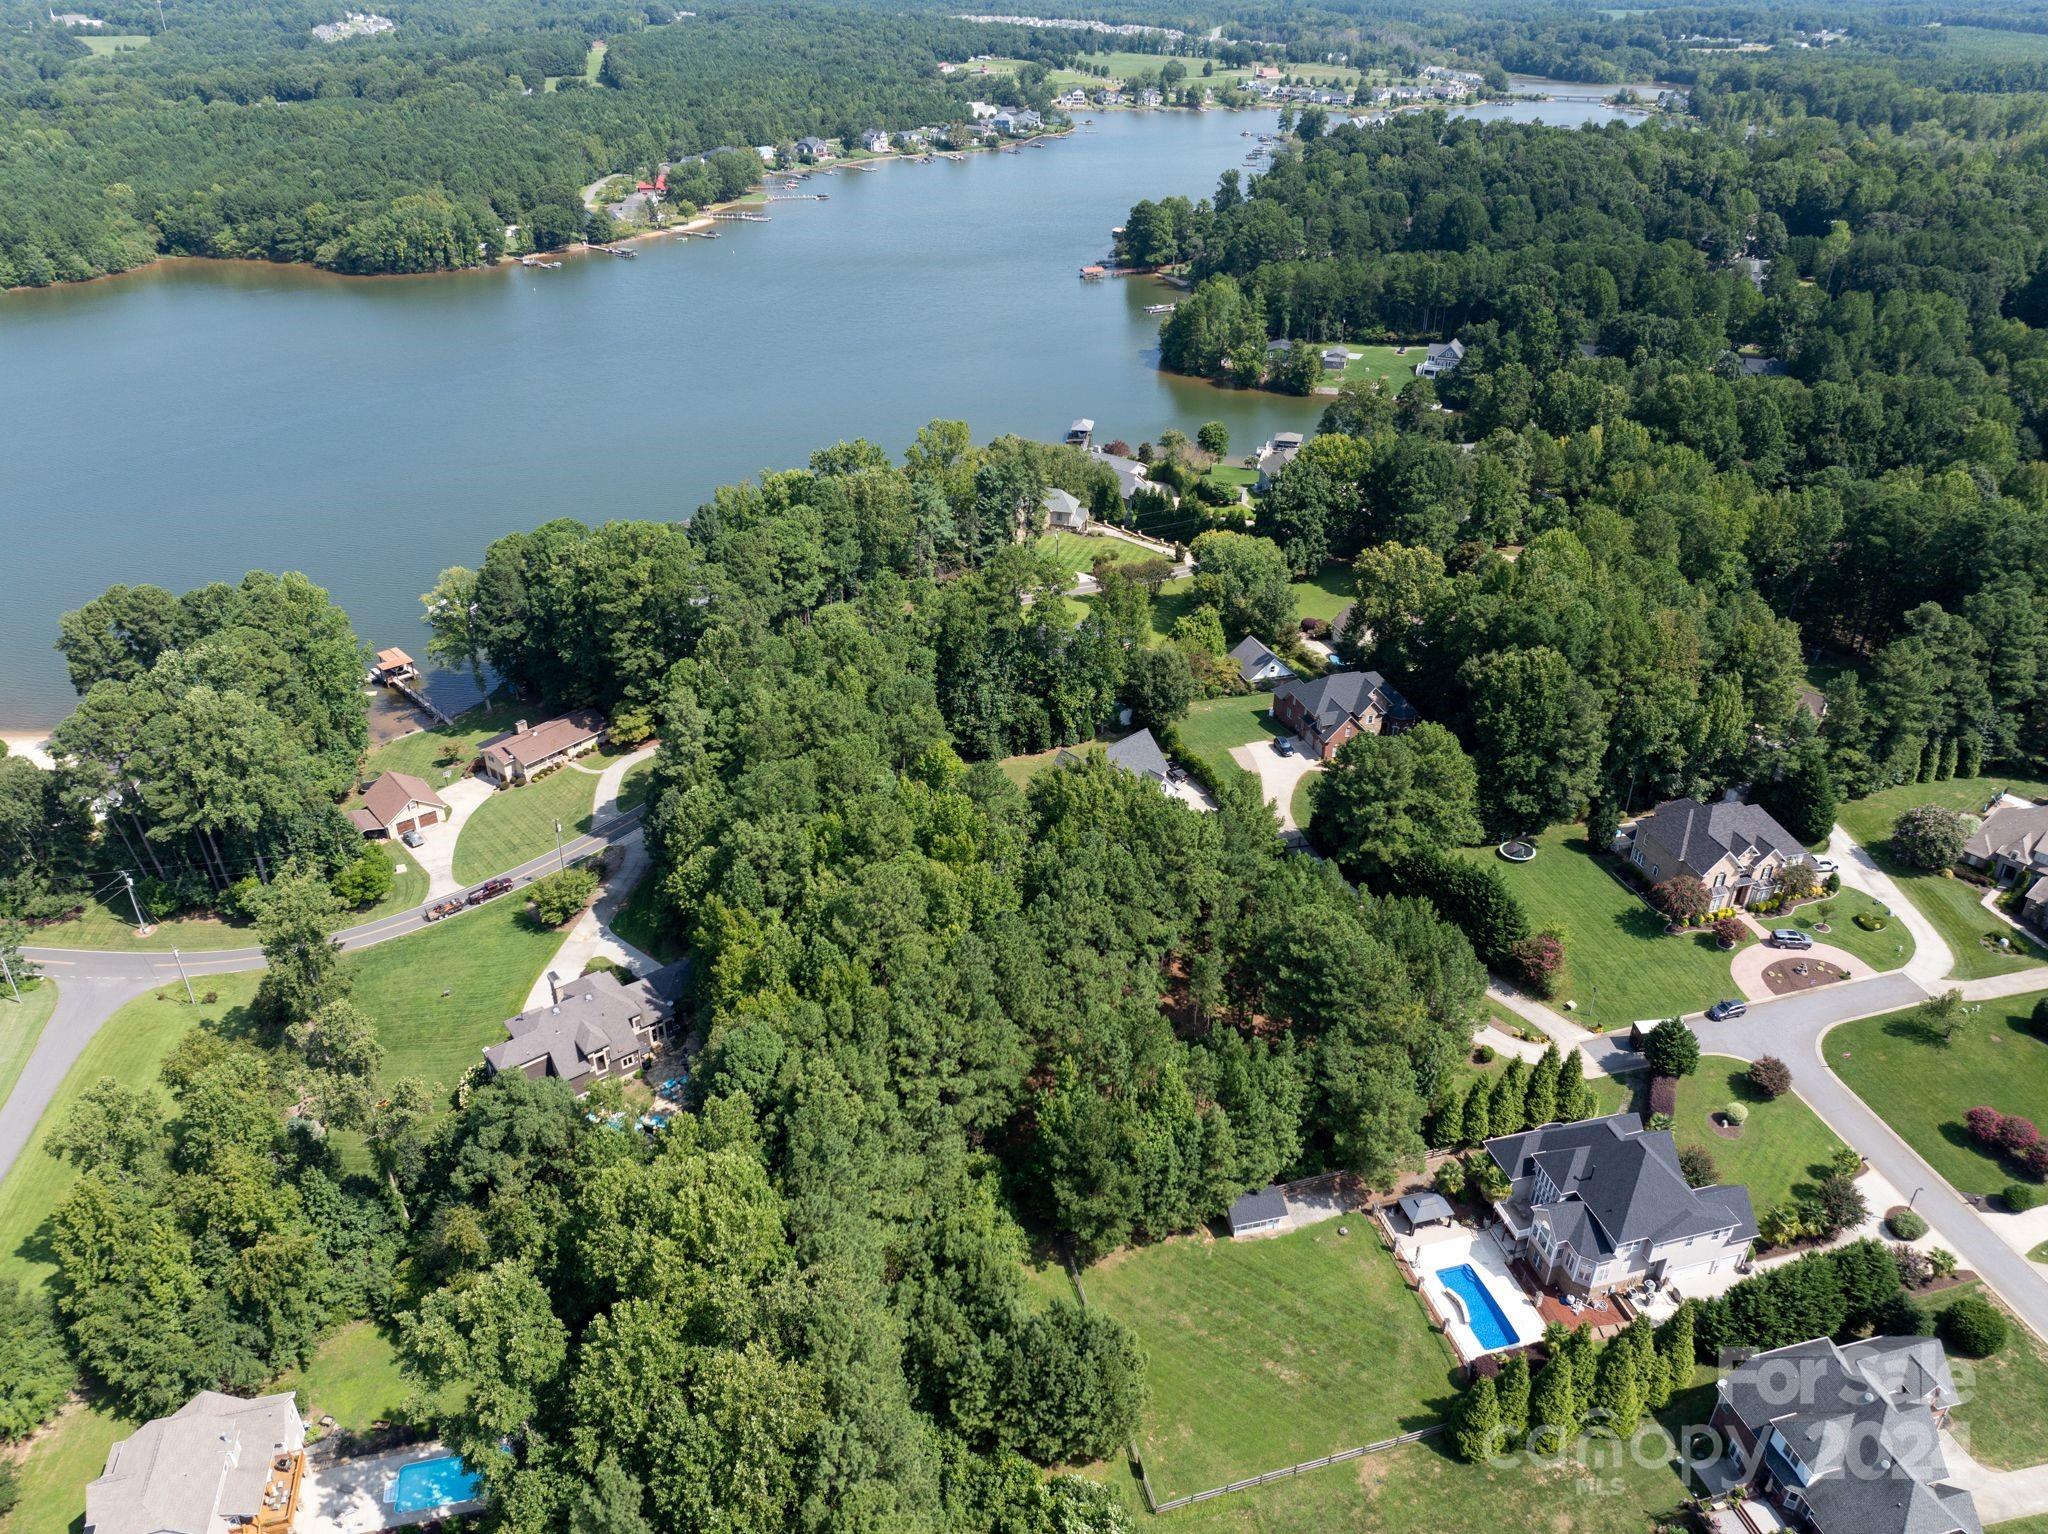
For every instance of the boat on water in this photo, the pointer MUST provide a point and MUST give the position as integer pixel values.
(789, 186)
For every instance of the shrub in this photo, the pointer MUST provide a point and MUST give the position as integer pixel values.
(2021, 1196)
(1869, 921)
(1736, 1113)
(365, 881)
(1929, 837)
(1450, 1178)
(1943, 1261)
(1540, 961)
(1664, 1095)
(1837, 1205)
(1914, 1266)
(1770, 1076)
(1845, 1162)
(1672, 1049)
(1730, 930)
(35, 1370)
(561, 897)
(1483, 1054)
(1681, 897)
(1985, 1125)
(2018, 1135)
(1906, 1225)
(1904, 1316)
(1698, 1166)
(1973, 1327)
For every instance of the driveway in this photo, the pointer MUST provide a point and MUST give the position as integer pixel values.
(1931, 959)
(1751, 961)
(1278, 775)
(591, 935)
(436, 855)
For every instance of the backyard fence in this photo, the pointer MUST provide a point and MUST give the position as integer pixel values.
(1293, 1470)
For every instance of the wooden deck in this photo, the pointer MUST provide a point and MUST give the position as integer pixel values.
(1606, 1316)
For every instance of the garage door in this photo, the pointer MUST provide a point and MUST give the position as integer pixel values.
(430, 818)
(403, 826)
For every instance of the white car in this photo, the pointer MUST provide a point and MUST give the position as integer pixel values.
(1826, 866)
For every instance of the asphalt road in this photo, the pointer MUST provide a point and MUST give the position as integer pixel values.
(93, 984)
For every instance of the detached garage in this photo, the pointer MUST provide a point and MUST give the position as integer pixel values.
(397, 803)
(1260, 1213)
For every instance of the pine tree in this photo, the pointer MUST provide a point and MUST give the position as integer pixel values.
(1650, 1367)
(1579, 1347)
(1478, 1421)
(1513, 1391)
(1675, 1343)
(1617, 1405)
(1540, 1107)
(1504, 1105)
(1477, 1117)
(1553, 1406)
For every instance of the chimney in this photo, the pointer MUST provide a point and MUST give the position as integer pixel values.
(519, 728)
(554, 988)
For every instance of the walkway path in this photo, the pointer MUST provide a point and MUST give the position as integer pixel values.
(2001, 1495)
(1931, 959)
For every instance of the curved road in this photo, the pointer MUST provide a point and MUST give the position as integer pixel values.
(93, 984)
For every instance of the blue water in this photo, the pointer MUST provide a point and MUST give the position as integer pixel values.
(1489, 1322)
(431, 1483)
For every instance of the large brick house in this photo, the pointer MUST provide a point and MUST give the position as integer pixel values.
(1331, 709)
(1601, 1204)
(1842, 1439)
(1736, 850)
(595, 1027)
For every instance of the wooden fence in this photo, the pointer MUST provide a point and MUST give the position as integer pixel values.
(1292, 1470)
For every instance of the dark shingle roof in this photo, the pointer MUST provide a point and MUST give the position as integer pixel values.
(1618, 1183)
(591, 1013)
(1702, 834)
(1252, 656)
(1339, 695)
(1266, 1203)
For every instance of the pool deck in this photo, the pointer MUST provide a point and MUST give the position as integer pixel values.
(1429, 1252)
(353, 1496)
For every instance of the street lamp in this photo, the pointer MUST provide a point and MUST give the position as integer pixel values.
(1916, 1194)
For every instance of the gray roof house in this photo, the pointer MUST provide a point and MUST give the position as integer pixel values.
(1257, 1212)
(1762, 367)
(1276, 455)
(810, 147)
(525, 750)
(596, 1026)
(1336, 359)
(1130, 474)
(2034, 909)
(1844, 1439)
(1601, 1204)
(2011, 841)
(1258, 665)
(1138, 754)
(1737, 850)
(1441, 358)
(215, 1463)
(1063, 512)
(1334, 707)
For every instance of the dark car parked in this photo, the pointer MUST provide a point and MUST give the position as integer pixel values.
(1726, 1009)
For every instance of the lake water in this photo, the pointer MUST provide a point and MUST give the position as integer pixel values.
(196, 420)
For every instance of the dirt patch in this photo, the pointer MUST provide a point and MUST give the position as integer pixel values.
(1788, 976)
(1724, 1127)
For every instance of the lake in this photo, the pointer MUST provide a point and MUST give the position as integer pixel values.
(190, 422)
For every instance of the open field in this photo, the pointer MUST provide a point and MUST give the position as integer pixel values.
(1783, 1146)
(1886, 949)
(442, 756)
(516, 824)
(438, 997)
(21, 1024)
(1950, 904)
(109, 924)
(116, 42)
(1214, 725)
(1619, 965)
(1992, 44)
(2005, 1396)
(1264, 1352)
(1382, 363)
(1923, 1087)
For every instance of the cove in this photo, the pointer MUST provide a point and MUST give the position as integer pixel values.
(192, 421)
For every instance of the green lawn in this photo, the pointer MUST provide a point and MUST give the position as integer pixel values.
(1234, 475)
(443, 755)
(408, 884)
(516, 824)
(1783, 1146)
(353, 1378)
(1952, 905)
(1881, 950)
(1077, 552)
(71, 1452)
(1261, 1353)
(21, 1024)
(109, 924)
(1922, 1087)
(1020, 770)
(1382, 363)
(1214, 725)
(116, 42)
(633, 787)
(2005, 1396)
(1325, 594)
(438, 997)
(1619, 965)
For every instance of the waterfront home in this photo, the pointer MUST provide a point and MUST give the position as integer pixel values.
(397, 803)
(1336, 359)
(1441, 358)
(218, 1462)
(525, 750)
(875, 141)
(594, 1027)
(980, 111)
(1276, 455)
(811, 149)
(1257, 665)
(1130, 474)
(1063, 513)
(1738, 851)
(1331, 709)
(1601, 1204)
(1841, 1438)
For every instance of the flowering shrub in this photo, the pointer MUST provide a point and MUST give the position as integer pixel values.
(1730, 931)
(1986, 1125)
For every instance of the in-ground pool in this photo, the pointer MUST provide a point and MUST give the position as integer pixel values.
(430, 1483)
(1483, 1314)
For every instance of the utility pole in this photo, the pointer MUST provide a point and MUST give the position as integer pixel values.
(561, 857)
(9, 973)
(128, 881)
(189, 997)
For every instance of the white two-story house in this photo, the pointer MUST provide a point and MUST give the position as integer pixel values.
(1601, 1205)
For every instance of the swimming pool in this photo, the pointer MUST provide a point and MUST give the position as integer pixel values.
(1483, 1314)
(432, 1483)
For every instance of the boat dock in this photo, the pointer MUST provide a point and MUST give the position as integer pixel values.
(802, 197)
(745, 218)
(1161, 308)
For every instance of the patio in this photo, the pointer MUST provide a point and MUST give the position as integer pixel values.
(1431, 1253)
(355, 1496)
(1605, 1315)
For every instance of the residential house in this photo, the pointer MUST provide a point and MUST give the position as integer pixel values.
(1277, 454)
(1331, 709)
(1736, 850)
(766, 152)
(1601, 1204)
(875, 141)
(980, 111)
(1441, 358)
(1063, 513)
(393, 665)
(1257, 664)
(1260, 1212)
(216, 1463)
(1336, 359)
(811, 149)
(2034, 909)
(1842, 1439)
(1138, 754)
(2011, 843)
(1762, 367)
(398, 802)
(595, 1027)
(1130, 474)
(524, 750)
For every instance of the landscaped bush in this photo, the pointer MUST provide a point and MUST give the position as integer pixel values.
(365, 881)
(1681, 897)
(1672, 1049)
(1697, 1163)
(1915, 1268)
(1770, 1076)
(1540, 961)
(1736, 1113)
(1483, 1054)
(560, 897)
(1870, 921)
(1929, 837)
(1664, 1095)
(1973, 1326)
(1906, 1225)
(1450, 1178)
(1823, 1294)
(1731, 930)
(2021, 1196)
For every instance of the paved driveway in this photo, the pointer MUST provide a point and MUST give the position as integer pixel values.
(1750, 962)
(1278, 775)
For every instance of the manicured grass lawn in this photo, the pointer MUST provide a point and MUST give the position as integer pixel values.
(1952, 905)
(442, 756)
(116, 42)
(2005, 1396)
(353, 1378)
(1619, 965)
(1381, 363)
(1303, 803)
(408, 884)
(633, 787)
(639, 923)
(109, 924)
(21, 1024)
(516, 824)
(130, 1047)
(1261, 1353)
(1020, 770)
(1886, 949)
(1235, 475)
(1214, 725)
(1784, 1145)
(1079, 551)
(71, 1452)
(1326, 593)
(1922, 1087)
(438, 997)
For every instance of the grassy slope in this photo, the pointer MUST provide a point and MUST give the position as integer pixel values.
(2005, 1396)
(1381, 363)
(1950, 904)
(1620, 965)
(1213, 726)
(1922, 1088)
(633, 787)
(21, 1024)
(442, 756)
(1783, 1145)
(106, 925)
(516, 824)
(1265, 1352)
(1079, 551)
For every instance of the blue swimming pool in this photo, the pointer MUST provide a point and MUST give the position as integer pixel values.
(432, 1483)
(1488, 1321)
